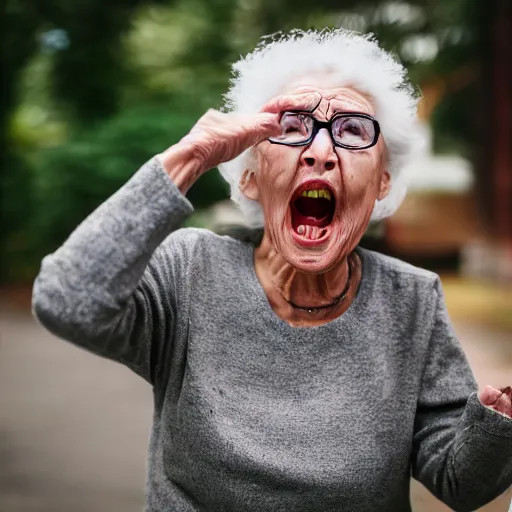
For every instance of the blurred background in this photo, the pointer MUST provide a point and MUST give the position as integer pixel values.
(90, 89)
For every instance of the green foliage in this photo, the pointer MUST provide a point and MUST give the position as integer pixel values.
(17, 210)
(90, 70)
(128, 78)
(87, 74)
(75, 178)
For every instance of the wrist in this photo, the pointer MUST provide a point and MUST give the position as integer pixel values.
(182, 165)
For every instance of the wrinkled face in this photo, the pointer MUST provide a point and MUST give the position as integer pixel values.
(317, 199)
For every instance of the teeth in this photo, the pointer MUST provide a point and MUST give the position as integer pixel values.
(310, 232)
(321, 193)
(326, 194)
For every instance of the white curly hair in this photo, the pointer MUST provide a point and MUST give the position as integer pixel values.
(355, 60)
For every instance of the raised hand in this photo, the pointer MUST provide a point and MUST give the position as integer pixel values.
(219, 137)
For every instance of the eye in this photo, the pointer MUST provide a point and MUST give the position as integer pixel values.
(350, 126)
(353, 126)
(354, 131)
(294, 124)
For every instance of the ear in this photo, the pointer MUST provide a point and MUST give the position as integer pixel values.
(385, 185)
(248, 185)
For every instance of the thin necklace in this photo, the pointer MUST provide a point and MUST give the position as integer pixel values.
(337, 299)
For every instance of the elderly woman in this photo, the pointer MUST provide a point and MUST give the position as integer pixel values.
(302, 373)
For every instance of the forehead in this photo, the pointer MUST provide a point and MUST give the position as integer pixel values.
(340, 98)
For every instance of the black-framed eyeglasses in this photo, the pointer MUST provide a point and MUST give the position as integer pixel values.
(348, 130)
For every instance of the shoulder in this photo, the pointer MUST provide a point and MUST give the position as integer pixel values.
(391, 274)
(199, 245)
(401, 296)
(188, 238)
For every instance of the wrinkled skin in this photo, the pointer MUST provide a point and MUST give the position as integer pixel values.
(287, 269)
(216, 138)
(357, 178)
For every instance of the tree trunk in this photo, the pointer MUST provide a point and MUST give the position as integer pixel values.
(494, 119)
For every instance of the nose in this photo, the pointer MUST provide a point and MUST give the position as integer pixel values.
(320, 153)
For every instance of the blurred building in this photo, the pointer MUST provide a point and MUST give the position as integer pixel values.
(492, 255)
(457, 210)
(438, 217)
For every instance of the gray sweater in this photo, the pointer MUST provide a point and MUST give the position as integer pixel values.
(251, 414)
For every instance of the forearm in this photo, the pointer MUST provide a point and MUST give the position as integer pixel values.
(472, 464)
(88, 280)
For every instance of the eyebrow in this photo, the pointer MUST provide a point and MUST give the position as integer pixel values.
(343, 111)
(334, 114)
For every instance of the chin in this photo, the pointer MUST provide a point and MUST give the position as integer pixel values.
(318, 260)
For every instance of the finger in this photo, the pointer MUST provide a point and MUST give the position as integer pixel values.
(507, 389)
(489, 395)
(262, 126)
(306, 102)
(503, 405)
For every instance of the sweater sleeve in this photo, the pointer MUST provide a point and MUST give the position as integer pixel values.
(462, 450)
(109, 288)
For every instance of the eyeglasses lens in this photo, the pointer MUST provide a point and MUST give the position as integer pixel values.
(348, 131)
(355, 132)
(295, 128)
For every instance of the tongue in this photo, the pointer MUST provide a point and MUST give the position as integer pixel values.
(311, 232)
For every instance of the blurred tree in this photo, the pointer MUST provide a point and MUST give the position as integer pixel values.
(74, 178)
(17, 29)
(90, 65)
(86, 39)
(119, 71)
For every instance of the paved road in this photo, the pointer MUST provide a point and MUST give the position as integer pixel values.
(74, 427)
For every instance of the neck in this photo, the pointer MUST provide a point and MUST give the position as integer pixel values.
(285, 285)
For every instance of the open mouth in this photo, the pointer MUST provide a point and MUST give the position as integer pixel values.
(312, 210)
